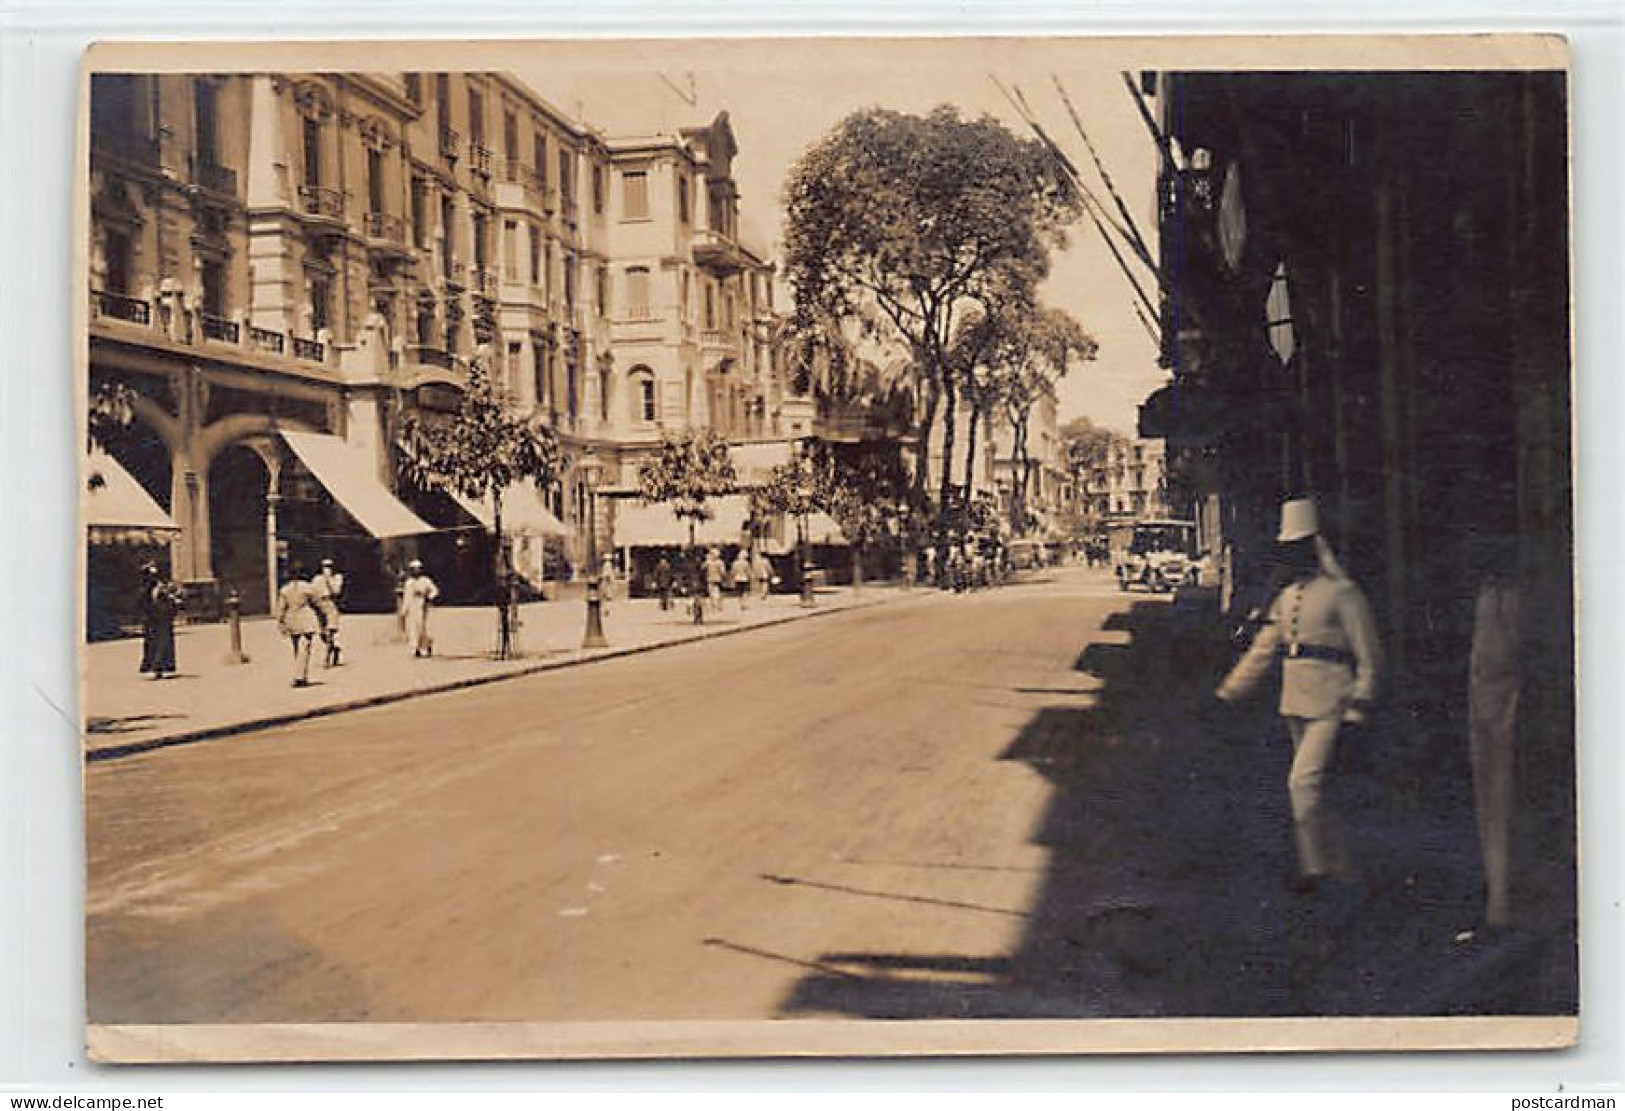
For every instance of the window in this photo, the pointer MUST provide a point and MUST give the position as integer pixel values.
(603, 290)
(481, 246)
(683, 295)
(425, 323)
(637, 293)
(604, 381)
(643, 395)
(510, 249)
(420, 212)
(570, 282)
(375, 180)
(214, 287)
(539, 150)
(572, 392)
(510, 373)
(476, 117)
(442, 100)
(510, 137)
(321, 302)
(535, 255)
(414, 89)
(710, 307)
(448, 238)
(634, 195)
(541, 367)
(204, 105)
(682, 198)
(313, 151)
(567, 191)
(116, 254)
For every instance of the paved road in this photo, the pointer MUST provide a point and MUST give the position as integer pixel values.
(706, 831)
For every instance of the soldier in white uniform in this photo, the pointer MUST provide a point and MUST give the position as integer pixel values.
(1320, 630)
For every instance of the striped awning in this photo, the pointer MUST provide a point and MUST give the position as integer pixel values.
(117, 509)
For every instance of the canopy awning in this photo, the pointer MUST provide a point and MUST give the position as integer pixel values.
(641, 525)
(822, 529)
(523, 513)
(116, 508)
(348, 473)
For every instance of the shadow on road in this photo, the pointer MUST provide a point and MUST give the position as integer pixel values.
(1169, 839)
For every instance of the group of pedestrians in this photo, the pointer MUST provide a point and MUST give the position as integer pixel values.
(307, 609)
(750, 574)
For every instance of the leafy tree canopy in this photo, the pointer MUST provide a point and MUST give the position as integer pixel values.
(687, 471)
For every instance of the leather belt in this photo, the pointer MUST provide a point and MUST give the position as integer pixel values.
(1317, 652)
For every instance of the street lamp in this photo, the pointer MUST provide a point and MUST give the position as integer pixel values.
(589, 470)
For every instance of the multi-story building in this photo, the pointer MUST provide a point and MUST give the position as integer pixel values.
(1049, 492)
(282, 267)
(1128, 481)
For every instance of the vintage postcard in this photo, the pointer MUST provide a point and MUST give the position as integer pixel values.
(827, 547)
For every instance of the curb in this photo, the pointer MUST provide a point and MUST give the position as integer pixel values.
(252, 725)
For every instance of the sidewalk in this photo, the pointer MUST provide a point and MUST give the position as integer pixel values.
(127, 712)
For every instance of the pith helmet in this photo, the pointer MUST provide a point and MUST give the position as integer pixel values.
(1299, 521)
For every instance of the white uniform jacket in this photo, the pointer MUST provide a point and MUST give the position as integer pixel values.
(1322, 633)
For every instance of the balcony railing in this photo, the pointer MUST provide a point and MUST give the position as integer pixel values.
(266, 340)
(483, 280)
(479, 158)
(322, 200)
(215, 177)
(385, 227)
(430, 356)
(220, 328)
(450, 143)
(120, 307)
(311, 349)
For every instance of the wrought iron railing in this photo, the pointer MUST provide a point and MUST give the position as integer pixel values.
(450, 143)
(220, 328)
(384, 226)
(311, 349)
(480, 158)
(120, 307)
(322, 200)
(266, 340)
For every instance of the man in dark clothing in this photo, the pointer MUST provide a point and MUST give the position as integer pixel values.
(663, 582)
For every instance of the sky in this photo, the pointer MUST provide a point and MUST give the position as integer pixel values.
(784, 96)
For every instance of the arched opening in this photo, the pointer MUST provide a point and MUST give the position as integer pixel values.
(237, 505)
(641, 395)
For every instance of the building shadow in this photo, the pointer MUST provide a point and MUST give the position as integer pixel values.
(1169, 841)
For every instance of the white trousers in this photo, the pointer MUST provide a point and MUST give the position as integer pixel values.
(1321, 848)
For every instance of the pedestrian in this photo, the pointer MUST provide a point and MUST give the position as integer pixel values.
(741, 577)
(715, 572)
(663, 582)
(417, 593)
(1319, 628)
(297, 619)
(160, 600)
(761, 574)
(328, 585)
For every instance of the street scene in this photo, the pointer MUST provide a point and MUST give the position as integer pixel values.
(590, 536)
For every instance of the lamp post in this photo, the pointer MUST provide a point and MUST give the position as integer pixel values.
(589, 470)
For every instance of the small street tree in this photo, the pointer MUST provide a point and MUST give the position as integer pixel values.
(483, 449)
(867, 493)
(795, 488)
(686, 473)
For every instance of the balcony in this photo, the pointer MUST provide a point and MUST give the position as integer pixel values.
(523, 186)
(450, 144)
(322, 202)
(313, 350)
(479, 157)
(425, 355)
(219, 328)
(119, 307)
(215, 178)
(717, 252)
(264, 339)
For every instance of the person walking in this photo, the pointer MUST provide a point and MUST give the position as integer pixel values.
(715, 572)
(1319, 629)
(327, 586)
(663, 582)
(761, 574)
(740, 573)
(297, 618)
(160, 600)
(417, 594)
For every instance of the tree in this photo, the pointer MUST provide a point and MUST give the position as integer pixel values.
(867, 492)
(1036, 350)
(688, 471)
(795, 488)
(923, 219)
(1086, 446)
(479, 453)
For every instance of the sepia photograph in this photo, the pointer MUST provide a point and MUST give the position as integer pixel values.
(827, 547)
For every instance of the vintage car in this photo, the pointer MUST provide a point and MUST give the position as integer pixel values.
(1161, 557)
